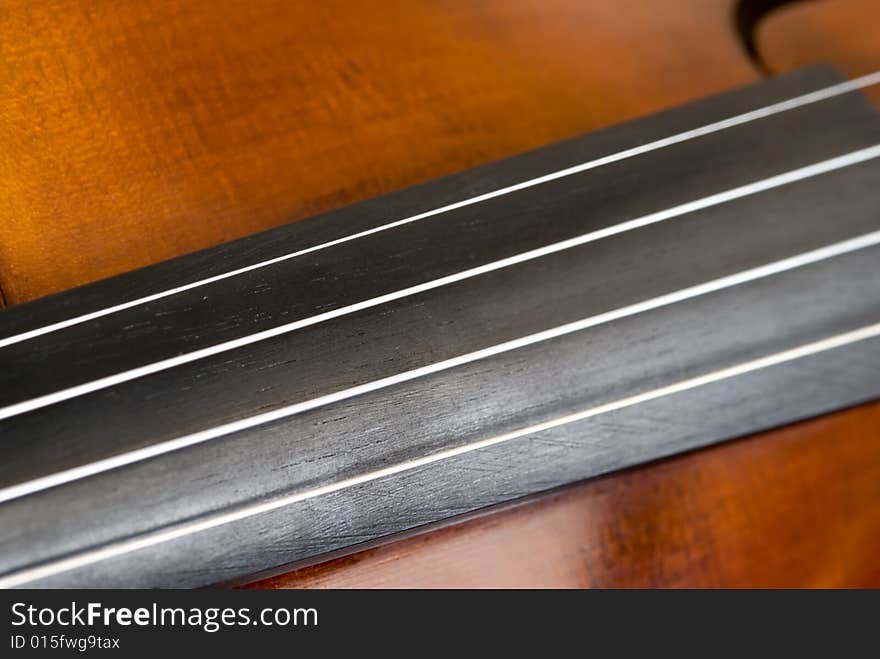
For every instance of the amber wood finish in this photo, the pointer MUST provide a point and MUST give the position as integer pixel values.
(134, 132)
(797, 507)
(847, 32)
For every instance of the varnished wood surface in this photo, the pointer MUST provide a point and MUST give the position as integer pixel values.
(134, 132)
(321, 431)
(823, 533)
(797, 507)
(846, 32)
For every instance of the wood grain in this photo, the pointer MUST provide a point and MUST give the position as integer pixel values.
(796, 507)
(575, 538)
(134, 132)
(323, 431)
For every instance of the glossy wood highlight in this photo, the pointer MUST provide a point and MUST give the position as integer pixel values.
(133, 132)
(829, 542)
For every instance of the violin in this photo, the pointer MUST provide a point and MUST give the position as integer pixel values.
(418, 294)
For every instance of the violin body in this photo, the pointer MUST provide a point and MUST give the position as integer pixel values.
(140, 132)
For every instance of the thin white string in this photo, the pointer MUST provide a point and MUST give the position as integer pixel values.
(144, 541)
(83, 389)
(168, 446)
(737, 120)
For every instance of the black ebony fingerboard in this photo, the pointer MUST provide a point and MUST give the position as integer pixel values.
(448, 347)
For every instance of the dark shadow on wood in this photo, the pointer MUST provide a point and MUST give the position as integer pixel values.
(747, 14)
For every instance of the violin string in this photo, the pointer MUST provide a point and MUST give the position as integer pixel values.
(164, 447)
(147, 540)
(831, 91)
(180, 530)
(815, 169)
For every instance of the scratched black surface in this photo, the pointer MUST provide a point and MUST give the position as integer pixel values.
(467, 403)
